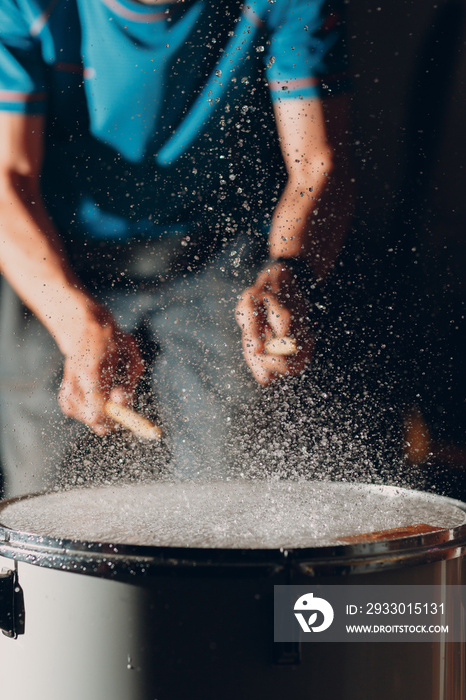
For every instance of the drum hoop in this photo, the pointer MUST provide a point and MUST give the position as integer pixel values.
(124, 561)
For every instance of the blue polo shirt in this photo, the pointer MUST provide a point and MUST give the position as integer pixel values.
(157, 114)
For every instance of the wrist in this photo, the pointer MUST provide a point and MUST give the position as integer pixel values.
(302, 276)
(83, 317)
(297, 266)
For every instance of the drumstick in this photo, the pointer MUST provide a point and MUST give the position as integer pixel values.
(128, 418)
(281, 346)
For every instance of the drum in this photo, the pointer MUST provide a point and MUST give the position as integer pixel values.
(164, 591)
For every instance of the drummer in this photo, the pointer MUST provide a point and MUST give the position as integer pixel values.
(152, 155)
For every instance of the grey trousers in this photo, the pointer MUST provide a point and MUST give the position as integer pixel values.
(198, 376)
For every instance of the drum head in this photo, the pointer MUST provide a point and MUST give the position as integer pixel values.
(247, 515)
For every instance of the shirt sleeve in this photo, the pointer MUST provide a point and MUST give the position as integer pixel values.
(307, 55)
(22, 75)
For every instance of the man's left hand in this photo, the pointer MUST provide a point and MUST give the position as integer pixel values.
(274, 307)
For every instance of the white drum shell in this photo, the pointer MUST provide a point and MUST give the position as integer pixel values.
(178, 631)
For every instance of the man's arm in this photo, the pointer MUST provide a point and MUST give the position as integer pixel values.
(309, 222)
(100, 360)
(313, 213)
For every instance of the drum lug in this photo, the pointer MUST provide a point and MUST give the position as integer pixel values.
(11, 604)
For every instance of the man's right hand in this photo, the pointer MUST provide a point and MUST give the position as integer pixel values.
(101, 361)
(104, 364)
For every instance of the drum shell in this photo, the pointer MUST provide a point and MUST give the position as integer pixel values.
(202, 626)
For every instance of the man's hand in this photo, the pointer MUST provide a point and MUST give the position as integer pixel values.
(101, 362)
(104, 364)
(309, 222)
(274, 306)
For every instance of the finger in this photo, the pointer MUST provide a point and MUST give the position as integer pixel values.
(91, 411)
(289, 364)
(261, 317)
(265, 366)
(120, 395)
(254, 361)
(273, 366)
(277, 366)
(270, 279)
(250, 316)
(267, 369)
(67, 398)
(126, 380)
(80, 399)
(122, 366)
(278, 317)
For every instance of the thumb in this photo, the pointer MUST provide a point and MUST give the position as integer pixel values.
(122, 395)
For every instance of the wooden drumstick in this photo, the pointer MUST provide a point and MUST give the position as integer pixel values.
(281, 346)
(140, 426)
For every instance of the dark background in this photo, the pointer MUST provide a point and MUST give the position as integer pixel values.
(408, 121)
(401, 282)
